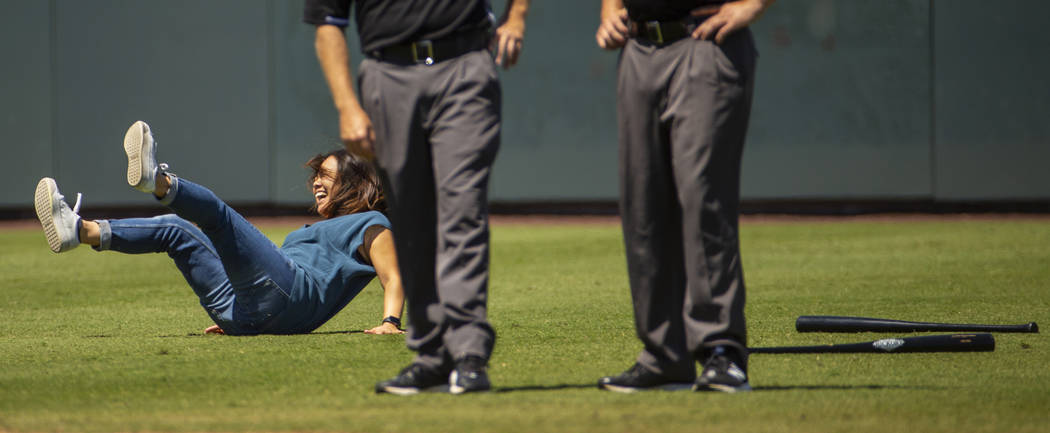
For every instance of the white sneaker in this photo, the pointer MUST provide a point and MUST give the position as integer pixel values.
(142, 159)
(58, 220)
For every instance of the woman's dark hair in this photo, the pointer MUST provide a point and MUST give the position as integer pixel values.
(356, 189)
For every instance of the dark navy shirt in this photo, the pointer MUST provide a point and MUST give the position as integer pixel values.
(382, 23)
(663, 10)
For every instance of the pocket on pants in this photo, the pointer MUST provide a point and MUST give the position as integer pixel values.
(257, 306)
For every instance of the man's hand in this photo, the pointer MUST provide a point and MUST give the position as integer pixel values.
(214, 329)
(509, 38)
(613, 30)
(355, 129)
(384, 329)
(510, 35)
(727, 18)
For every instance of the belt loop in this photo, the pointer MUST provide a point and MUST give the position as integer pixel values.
(653, 28)
(429, 57)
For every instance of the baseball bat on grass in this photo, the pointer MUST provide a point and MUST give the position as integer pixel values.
(927, 343)
(866, 324)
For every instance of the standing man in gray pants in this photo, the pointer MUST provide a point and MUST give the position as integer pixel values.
(430, 111)
(684, 97)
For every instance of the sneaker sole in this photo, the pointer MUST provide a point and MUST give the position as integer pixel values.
(45, 212)
(682, 386)
(457, 390)
(134, 146)
(397, 390)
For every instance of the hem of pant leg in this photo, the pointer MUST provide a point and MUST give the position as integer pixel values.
(444, 367)
(105, 236)
(173, 190)
(686, 375)
(722, 342)
(457, 359)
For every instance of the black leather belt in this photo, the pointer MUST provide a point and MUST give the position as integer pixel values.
(662, 32)
(429, 52)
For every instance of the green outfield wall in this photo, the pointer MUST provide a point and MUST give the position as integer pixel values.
(855, 100)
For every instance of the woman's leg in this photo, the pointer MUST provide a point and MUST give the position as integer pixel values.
(248, 256)
(259, 272)
(192, 251)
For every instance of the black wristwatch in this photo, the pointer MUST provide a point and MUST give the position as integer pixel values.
(394, 320)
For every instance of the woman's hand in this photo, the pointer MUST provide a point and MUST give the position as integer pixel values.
(384, 329)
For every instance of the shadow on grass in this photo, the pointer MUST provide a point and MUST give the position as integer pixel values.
(201, 334)
(192, 334)
(358, 331)
(544, 387)
(756, 389)
(841, 387)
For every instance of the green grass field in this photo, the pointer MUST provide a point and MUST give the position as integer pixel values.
(98, 342)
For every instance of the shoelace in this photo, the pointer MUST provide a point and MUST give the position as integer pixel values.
(76, 206)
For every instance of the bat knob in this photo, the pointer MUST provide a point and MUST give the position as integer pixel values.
(1032, 327)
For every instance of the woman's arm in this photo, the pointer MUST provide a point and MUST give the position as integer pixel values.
(384, 259)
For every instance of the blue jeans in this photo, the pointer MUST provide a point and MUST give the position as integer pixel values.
(243, 279)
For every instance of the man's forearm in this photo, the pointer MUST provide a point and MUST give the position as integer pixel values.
(517, 10)
(763, 5)
(332, 53)
(610, 7)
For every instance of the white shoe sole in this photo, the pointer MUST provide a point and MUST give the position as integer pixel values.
(46, 210)
(396, 390)
(676, 386)
(138, 144)
(401, 391)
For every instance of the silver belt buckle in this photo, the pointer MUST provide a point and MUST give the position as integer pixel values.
(429, 46)
(653, 28)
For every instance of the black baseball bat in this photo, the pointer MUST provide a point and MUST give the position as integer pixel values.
(926, 343)
(866, 324)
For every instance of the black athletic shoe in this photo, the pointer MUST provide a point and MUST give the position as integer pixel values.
(638, 378)
(412, 380)
(469, 376)
(722, 373)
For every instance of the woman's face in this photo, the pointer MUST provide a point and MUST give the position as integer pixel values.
(324, 183)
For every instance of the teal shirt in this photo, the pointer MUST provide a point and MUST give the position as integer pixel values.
(329, 270)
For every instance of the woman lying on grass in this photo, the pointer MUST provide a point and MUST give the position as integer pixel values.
(246, 283)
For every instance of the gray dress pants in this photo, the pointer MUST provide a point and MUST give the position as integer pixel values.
(437, 133)
(683, 112)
